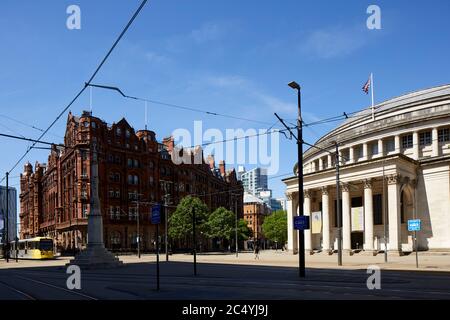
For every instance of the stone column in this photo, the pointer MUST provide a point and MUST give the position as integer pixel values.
(330, 165)
(368, 215)
(325, 220)
(397, 144)
(321, 163)
(415, 145)
(365, 152)
(380, 148)
(394, 244)
(291, 212)
(435, 143)
(351, 154)
(307, 212)
(346, 223)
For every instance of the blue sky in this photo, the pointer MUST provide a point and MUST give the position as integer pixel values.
(234, 57)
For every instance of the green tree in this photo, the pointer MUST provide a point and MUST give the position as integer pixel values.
(244, 231)
(220, 224)
(275, 227)
(180, 222)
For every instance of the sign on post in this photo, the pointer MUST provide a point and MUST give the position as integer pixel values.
(156, 214)
(414, 225)
(301, 222)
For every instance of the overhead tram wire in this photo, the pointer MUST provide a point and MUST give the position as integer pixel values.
(26, 124)
(85, 86)
(177, 106)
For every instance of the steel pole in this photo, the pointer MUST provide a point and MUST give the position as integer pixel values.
(301, 254)
(338, 208)
(166, 228)
(194, 240)
(138, 233)
(236, 226)
(6, 240)
(385, 217)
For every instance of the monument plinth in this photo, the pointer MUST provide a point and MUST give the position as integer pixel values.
(95, 256)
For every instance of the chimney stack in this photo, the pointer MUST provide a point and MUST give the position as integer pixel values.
(211, 162)
(222, 168)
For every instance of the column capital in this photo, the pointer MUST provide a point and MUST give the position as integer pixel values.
(345, 187)
(368, 183)
(324, 191)
(289, 195)
(393, 178)
(307, 193)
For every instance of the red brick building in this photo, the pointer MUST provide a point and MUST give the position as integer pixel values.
(54, 198)
(255, 210)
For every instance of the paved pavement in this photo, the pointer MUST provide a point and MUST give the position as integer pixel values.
(226, 277)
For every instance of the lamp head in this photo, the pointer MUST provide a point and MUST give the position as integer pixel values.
(294, 85)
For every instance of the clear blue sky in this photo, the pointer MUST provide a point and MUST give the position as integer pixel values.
(230, 56)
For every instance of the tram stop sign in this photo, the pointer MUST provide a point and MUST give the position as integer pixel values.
(301, 222)
(414, 225)
(156, 214)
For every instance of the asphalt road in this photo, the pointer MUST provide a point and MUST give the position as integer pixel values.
(137, 281)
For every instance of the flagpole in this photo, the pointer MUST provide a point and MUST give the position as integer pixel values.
(90, 99)
(371, 89)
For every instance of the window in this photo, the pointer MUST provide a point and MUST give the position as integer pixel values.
(425, 138)
(118, 131)
(111, 193)
(127, 133)
(357, 202)
(136, 163)
(407, 141)
(359, 152)
(84, 210)
(130, 179)
(390, 145)
(130, 163)
(135, 180)
(377, 209)
(93, 125)
(444, 135)
(117, 159)
(117, 194)
(374, 148)
(151, 180)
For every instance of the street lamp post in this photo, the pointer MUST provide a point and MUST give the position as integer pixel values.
(301, 254)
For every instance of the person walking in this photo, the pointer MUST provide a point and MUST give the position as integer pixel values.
(257, 251)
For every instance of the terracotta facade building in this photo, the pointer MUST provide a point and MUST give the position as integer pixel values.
(135, 171)
(255, 210)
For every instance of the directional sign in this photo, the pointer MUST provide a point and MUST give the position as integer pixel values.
(414, 225)
(156, 214)
(301, 222)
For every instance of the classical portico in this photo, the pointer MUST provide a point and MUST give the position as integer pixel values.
(365, 206)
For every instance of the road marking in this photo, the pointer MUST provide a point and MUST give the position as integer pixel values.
(18, 291)
(56, 287)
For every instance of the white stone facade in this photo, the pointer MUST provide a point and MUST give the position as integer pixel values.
(406, 145)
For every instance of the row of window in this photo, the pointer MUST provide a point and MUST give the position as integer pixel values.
(425, 139)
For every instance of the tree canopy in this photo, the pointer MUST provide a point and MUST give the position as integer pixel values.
(220, 224)
(275, 226)
(180, 222)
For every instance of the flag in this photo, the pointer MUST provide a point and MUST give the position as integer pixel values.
(367, 86)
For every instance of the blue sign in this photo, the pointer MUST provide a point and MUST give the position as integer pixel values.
(156, 214)
(414, 225)
(301, 222)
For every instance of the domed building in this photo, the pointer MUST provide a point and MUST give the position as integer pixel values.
(394, 167)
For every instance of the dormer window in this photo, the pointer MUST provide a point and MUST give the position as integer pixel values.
(118, 131)
(127, 133)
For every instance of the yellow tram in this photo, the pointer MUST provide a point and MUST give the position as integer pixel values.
(38, 248)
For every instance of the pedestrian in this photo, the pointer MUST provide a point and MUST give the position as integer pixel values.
(257, 252)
